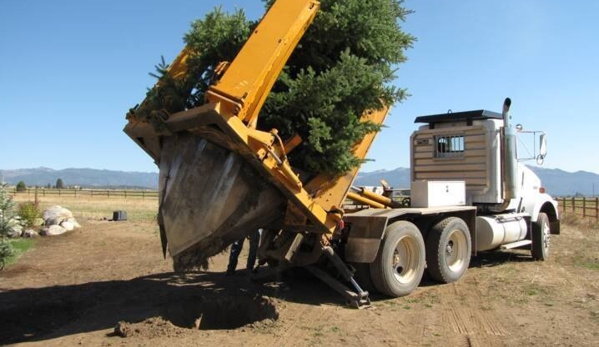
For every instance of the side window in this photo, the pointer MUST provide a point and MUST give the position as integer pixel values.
(449, 146)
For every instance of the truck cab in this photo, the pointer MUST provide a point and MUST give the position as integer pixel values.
(477, 148)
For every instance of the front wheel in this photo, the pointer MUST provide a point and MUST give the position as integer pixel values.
(448, 249)
(541, 236)
(399, 264)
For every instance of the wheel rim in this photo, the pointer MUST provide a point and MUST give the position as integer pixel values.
(405, 260)
(456, 250)
(546, 236)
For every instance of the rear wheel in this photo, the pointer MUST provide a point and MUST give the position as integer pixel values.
(399, 264)
(448, 249)
(541, 237)
(363, 277)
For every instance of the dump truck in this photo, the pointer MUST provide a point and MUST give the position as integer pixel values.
(222, 178)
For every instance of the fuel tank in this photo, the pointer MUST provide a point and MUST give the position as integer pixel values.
(494, 231)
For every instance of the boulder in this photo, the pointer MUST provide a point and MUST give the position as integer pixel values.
(30, 233)
(68, 226)
(55, 215)
(75, 224)
(14, 231)
(53, 230)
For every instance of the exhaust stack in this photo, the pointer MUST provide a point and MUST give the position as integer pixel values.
(510, 162)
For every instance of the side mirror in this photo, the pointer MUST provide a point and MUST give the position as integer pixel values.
(542, 149)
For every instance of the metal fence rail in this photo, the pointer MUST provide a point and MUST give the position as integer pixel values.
(88, 193)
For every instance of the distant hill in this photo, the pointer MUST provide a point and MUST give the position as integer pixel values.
(89, 178)
(557, 182)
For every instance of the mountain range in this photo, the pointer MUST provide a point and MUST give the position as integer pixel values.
(556, 181)
(89, 178)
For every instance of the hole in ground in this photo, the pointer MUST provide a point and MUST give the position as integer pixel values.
(222, 312)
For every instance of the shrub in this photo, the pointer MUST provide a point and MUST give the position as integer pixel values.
(21, 187)
(29, 211)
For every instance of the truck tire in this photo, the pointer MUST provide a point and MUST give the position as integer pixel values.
(541, 236)
(448, 250)
(363, 277)
(399, 264)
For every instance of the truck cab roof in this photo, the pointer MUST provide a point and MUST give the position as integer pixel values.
(467, 116)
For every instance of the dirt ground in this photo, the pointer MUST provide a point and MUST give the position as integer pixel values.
(108, 285)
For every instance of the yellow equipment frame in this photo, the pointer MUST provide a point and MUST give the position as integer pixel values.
(233, 105)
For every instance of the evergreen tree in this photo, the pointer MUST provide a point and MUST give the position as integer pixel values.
(59, 184)
(21, 187)
(6, 214)
(6, 210)
(343, 66)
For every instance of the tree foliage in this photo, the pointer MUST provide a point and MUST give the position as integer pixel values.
(6, 214)
(6, 210)
(343, 66)
(59, 183)
(21, 187)
(29, 212)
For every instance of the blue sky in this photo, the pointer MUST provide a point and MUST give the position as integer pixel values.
(70, 70)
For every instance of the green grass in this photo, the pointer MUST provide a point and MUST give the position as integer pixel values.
(19, 246)
(590, 265)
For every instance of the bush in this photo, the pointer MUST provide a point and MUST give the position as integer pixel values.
(29, 211)
(21, 187)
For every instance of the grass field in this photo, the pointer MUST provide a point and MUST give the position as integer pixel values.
(98, 208)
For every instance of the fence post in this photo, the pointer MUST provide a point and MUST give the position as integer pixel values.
(108, 192)
(584, 207)
(125, 193)
(143, 194)
(563, 204)
(573, 204)
(596, 208)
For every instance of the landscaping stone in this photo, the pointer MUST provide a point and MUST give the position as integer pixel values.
(56, 215)
(53, 230)
(68, 226)
(15, 231)
(30, 233)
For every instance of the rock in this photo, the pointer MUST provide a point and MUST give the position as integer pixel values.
(53, 230)
(15, 231)
(122, 329)
(68, 226)
(55, 215)
(30, 233)
(75, 224)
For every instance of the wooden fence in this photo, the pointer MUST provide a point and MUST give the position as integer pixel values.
(88, 193)
(585, 207)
